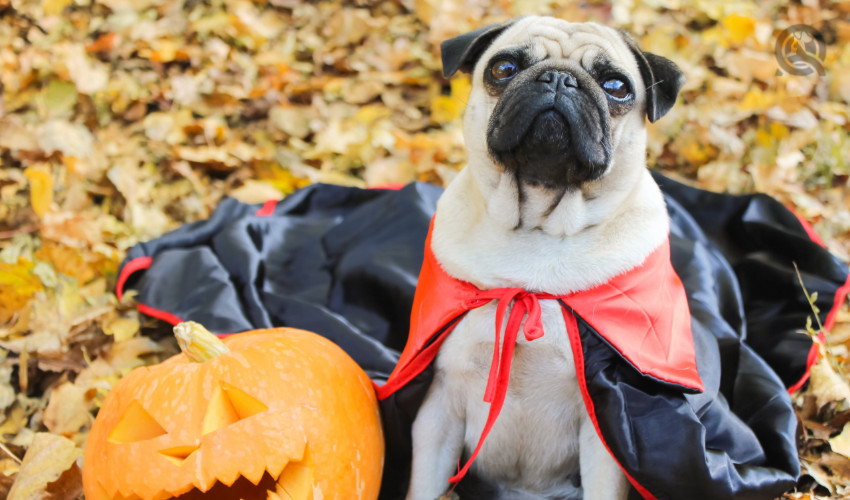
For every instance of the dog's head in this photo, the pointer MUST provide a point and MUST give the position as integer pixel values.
(558, 107)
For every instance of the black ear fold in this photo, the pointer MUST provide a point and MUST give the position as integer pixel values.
(662, 77)
(463, 51)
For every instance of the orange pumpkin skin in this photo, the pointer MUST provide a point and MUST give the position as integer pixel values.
(183, 427)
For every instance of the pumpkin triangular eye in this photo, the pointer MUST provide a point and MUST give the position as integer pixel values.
(135, 425)
(245, 405)
(229, 405)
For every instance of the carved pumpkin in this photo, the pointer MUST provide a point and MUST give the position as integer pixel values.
(279, 414)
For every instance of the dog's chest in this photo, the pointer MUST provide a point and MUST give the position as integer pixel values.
(535, 441)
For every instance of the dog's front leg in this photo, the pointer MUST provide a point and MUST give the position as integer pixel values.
(601, 476)
(437, 443)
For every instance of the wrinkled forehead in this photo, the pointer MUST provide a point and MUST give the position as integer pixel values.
(584, 43)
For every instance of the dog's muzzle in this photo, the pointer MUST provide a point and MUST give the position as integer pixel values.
(551, 128)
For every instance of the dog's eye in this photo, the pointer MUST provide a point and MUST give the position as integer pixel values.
(504, 69)
(616, 88)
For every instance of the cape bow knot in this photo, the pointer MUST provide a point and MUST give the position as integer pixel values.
(526, 306)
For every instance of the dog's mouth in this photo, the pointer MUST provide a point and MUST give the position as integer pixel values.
(551, 138)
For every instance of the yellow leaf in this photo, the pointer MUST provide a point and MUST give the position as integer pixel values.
(738, 28)
(449, 108)
(41, 189)
(445, 109)
(698, 154)
(17, 286)
(54, 7)
(122, 328)
(279, 177)
(164, 50)
(778, 131)
(841, 443)
(756, 100)
(48, 459)
(771, 136)
(461, 87)
(370, 113)
(16, 419)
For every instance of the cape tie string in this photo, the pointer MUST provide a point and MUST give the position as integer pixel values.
(525, 303)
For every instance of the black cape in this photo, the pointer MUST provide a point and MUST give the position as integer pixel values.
(343, 262)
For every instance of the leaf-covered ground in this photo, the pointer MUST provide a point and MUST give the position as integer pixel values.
(122, 119)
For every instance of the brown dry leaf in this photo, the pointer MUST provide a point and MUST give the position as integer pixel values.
(49, 470)
(67, 411)
(295, 121)
(72, 261)
(820, 475)
(256, 192)
(828, 386)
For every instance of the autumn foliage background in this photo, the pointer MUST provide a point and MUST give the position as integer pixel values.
(123, 119)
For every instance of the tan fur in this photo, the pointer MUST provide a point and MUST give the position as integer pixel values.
(609, 226)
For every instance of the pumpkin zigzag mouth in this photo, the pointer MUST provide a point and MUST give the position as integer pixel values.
(294, 482)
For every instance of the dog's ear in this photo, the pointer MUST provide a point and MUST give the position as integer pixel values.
(663, 79)
(462, 52)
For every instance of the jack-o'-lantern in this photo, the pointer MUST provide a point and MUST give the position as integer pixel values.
(278, 414)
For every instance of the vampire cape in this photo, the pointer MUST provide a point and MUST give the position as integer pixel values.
(344, 262)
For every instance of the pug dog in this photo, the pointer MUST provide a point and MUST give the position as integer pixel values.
(556, 198)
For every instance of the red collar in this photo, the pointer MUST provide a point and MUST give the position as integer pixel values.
(642, 313)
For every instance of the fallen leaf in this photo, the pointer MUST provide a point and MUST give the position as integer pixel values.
(7, 392)
(256, 192)
(59, 97)
(66, 411)
(89, 75)
(820, 476)
(18, 285)
(826, 385)
(739, 28)
(41, 189)
(121, 329)
(47, 460)
(294, 121)
(55, 7)
(449, 108)
(70, 139)
(841, 443)
(73, 262)
(104, 43)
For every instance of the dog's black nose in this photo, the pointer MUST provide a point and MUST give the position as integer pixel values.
(558, 80)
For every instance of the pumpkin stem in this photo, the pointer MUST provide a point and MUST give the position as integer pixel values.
(197, 342)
